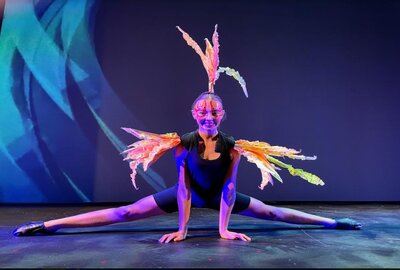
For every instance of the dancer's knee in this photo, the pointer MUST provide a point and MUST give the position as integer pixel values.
(281, 213)
(271, 213)
(260, 210)
(125, 213)
(274, 213)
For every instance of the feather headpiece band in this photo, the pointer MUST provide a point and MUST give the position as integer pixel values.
(210, 59)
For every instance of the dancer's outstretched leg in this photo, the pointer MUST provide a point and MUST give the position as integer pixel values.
(146, 207)
(261, 210)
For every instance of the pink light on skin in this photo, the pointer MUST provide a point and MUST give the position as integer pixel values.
(208, 114)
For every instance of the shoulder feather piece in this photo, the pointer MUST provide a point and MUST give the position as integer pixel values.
(210, 60)
(261, 153)
(148, 150)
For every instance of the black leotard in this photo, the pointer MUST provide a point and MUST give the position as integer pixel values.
(206, 176)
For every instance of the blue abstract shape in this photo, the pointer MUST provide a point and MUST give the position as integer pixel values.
(52, 91)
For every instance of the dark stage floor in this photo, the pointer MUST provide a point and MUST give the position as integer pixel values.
(273, 245)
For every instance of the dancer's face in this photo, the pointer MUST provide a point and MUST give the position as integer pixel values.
(208, 114)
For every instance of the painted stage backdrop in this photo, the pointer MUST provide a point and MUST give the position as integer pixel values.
(322, 76)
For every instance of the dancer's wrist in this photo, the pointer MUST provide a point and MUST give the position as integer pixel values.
(183, 229)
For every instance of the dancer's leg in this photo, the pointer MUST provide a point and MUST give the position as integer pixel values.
(143, 208)
(261, 210)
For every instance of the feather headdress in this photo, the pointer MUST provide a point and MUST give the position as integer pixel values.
(152, 146)
(210, 59)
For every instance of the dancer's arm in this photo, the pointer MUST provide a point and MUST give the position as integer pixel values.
(183, 198)
(228, 200)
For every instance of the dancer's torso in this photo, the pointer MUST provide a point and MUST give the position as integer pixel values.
(207, 176)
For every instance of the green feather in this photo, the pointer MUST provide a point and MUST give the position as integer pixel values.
(309, 177)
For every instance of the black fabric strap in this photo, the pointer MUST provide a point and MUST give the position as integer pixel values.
(224, 142)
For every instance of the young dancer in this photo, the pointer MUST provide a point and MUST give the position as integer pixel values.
(207, 161)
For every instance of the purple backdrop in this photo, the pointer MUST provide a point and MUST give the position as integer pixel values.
(323, 76)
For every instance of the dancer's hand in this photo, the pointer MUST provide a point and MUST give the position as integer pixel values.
(175, 236)
(234, 235)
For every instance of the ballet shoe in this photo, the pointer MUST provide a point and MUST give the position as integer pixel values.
(31, 228)
(347, 224)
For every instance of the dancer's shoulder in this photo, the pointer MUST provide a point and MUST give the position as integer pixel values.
(228, 139)
(189, 140)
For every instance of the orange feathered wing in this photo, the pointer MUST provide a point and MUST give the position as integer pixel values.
(261, 153)
(152, 146)
(148, 150)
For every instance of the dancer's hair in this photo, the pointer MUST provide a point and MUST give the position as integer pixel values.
(207, 95)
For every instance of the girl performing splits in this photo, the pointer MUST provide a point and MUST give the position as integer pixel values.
(207, 161)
